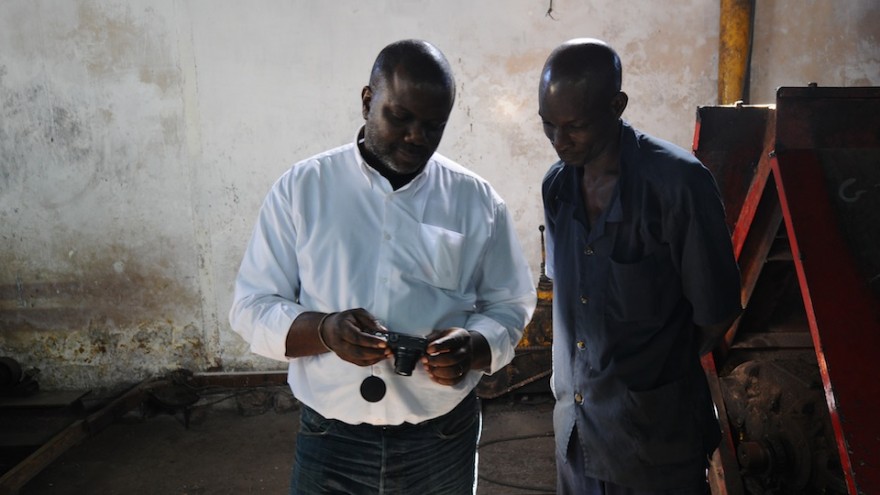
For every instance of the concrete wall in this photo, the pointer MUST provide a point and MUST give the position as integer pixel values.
(138, 138)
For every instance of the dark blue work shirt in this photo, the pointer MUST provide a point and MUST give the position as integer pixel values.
(629, 292)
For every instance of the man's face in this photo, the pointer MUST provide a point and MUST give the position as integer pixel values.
(404, 122)
(579, 129)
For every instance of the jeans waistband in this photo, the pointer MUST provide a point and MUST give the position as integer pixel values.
(468, 404)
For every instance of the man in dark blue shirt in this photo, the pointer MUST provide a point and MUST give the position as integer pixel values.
(645, 282)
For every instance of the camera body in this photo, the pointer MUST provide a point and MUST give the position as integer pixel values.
(408, 349)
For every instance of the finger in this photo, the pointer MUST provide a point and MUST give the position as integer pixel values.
(448, 357)
(447, 375)
(363, 356)
(360, 348)
(436, 334)
(367, 322)
(448, 341)
(452, 371)
(351, 332)
(368, 340)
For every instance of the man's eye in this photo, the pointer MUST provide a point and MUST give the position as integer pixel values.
(396, 118)
(431, 127)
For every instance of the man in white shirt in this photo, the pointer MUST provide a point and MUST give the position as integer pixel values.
(383, 235)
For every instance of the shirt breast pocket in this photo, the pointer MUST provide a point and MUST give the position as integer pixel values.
(635, 290)
(439, 260)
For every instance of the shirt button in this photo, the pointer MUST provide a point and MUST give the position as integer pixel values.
(387, 236)
(579, 398)
(588, 251)
(581, 345)
(585, 299)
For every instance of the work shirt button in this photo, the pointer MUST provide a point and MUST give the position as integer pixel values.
(589, 251)
(581, 345)
(585, 299)
(387, 236)
(579, 398)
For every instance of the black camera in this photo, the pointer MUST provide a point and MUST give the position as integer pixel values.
(407, 350)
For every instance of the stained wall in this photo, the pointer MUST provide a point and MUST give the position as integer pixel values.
(138, 138)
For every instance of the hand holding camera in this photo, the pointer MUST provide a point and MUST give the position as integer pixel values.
(350, 335)
(407, 349)
(452, 353)
(446, 355)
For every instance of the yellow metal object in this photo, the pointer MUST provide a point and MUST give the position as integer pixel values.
(734, 45)
(539, 331)
(530, 369)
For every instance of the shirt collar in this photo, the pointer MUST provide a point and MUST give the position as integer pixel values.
(377, 180)
(370, 174)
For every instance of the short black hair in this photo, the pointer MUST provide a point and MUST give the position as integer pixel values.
(421, 61)
(585, 60)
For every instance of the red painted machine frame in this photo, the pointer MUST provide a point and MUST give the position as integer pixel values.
(783, 147)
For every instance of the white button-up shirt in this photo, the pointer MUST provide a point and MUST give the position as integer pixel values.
(437, 253)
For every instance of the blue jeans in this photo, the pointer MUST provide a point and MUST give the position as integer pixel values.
(438, 456)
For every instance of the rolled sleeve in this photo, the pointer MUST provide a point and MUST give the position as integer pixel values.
(506, 295)
(266, 287)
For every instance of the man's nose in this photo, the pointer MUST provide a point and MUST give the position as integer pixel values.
(560, 139)
(416, 134)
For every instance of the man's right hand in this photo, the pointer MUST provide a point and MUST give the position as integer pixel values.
(350, 335)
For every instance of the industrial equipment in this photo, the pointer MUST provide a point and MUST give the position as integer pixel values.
(795, 380)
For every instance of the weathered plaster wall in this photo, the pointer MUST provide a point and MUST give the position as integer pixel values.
(137, 139)
(822, 41)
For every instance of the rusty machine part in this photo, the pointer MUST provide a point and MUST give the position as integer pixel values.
(785, 443)
(532, 364)
(793, 380)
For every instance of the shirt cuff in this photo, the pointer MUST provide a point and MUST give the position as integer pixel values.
(502, 341)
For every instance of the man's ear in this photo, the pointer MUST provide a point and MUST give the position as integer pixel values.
(618, 103)
(366, 99)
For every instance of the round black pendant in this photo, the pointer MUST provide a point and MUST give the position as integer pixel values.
(372, 389)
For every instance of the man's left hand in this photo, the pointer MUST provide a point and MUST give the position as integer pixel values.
(449, 355)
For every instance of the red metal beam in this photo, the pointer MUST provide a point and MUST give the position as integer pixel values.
(843, 315)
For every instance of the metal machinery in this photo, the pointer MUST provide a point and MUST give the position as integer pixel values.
(795, 381)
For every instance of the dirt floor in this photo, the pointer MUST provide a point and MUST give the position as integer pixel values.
(245, 445)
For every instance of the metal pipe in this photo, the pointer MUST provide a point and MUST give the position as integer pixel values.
(734, 50)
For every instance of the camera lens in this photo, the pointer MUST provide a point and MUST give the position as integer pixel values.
(405, 360)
